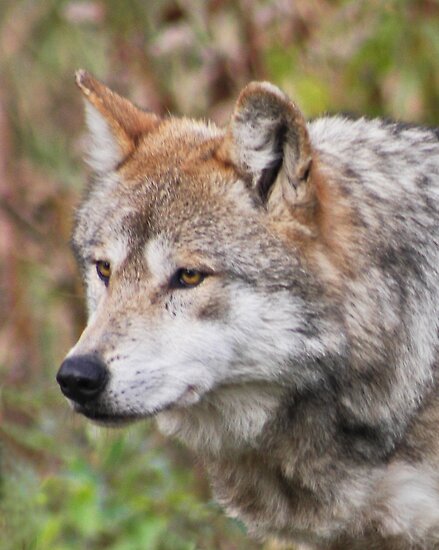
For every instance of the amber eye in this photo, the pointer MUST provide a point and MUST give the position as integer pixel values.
(188, 278)
(103, 269)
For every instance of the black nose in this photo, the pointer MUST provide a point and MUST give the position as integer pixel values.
(82, 378)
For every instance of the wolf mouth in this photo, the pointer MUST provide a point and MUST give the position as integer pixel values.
(114, 419)
(108, 419)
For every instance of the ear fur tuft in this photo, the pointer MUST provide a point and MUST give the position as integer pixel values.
(114, 123)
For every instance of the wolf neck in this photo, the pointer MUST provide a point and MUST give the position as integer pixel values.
(264, 455)
(240, 426)
(288, 465)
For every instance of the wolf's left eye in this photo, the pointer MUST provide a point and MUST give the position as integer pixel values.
(188, 278)
(103, 269)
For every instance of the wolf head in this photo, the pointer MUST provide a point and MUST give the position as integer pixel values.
(189, 241)
(231, 271)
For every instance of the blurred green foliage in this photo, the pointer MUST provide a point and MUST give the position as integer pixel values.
(119, 491)
(63, 484)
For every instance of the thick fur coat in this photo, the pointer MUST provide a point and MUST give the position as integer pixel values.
(270, 292)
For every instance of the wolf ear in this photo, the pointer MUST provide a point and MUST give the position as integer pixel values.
(267, 140)
(114, 123)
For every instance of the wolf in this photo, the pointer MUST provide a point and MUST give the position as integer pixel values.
(270, 293)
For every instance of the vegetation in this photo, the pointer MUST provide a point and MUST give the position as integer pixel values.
(65, 485)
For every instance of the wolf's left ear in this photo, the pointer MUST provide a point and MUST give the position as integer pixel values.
(115, 124)
(268, 141)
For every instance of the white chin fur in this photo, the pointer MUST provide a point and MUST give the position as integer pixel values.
(191, 396)
(229, 417)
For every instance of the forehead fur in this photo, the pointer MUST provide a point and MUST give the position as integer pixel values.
(175, 182)
(178, 145)
(177, 175)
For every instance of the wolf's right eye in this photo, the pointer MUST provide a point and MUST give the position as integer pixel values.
(103, 269)
(187, 278)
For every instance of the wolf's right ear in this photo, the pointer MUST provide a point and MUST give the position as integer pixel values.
(115, 124)
(267, 140)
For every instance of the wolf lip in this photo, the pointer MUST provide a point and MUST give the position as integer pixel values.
(106, 418)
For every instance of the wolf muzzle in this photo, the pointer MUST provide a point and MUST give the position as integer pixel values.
(82, 378)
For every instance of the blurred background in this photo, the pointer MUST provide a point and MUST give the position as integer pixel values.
(64, 484)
